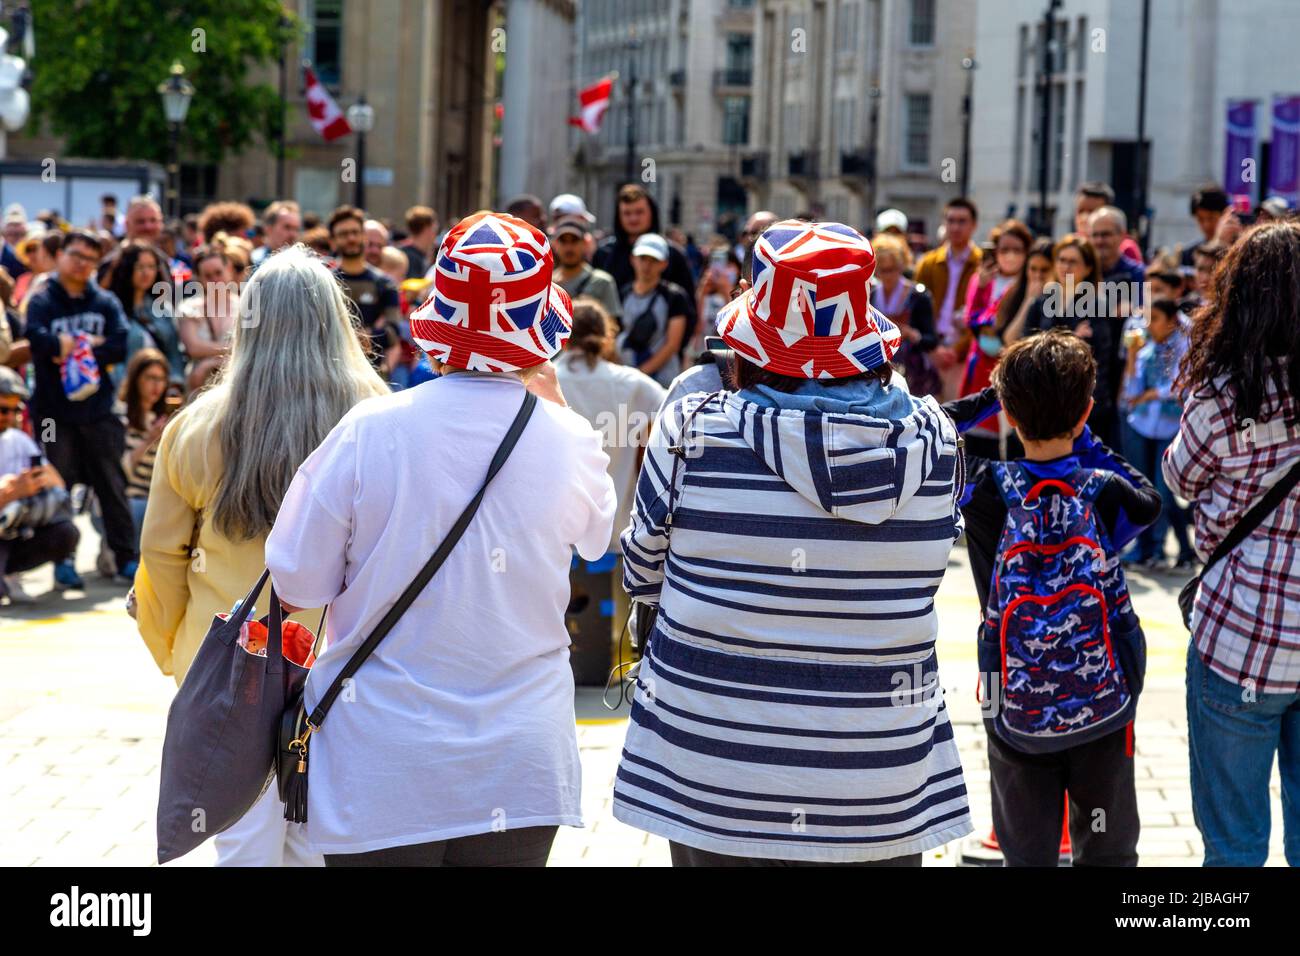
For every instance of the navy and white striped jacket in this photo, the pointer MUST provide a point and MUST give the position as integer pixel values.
(788, 706)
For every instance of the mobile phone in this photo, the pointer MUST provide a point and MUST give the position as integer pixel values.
(35, 461)
(988, 250)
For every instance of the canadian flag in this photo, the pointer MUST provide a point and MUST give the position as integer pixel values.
(593, 100)
(324, 113)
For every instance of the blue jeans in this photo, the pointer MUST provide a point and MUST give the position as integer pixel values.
(1232, 742)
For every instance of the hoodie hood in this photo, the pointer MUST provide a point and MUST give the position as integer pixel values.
(621, 234)
(854, 457)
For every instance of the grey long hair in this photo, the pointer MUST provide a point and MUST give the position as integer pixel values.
(296, 367)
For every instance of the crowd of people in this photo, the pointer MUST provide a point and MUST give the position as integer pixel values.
(776, 437)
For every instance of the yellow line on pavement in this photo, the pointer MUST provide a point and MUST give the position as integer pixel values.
(64, 618)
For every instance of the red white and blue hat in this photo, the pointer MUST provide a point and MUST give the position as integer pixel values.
(494, 307)
(808, 313)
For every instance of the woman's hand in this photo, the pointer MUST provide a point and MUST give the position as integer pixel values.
(1084, 329)
(545, 385)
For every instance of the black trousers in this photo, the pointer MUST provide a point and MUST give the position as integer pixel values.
(683, 855)
(1029, 799)
(528, 846)
(53, 542)
(91, 454)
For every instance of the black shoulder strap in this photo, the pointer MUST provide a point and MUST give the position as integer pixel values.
(430, 567)
(1254, 517)
(583, 284)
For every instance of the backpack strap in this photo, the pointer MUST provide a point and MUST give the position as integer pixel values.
(1088, 482)
(1011, 482)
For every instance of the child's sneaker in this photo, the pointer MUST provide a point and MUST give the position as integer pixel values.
(66, 576)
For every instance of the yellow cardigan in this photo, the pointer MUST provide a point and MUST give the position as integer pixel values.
(177, 595)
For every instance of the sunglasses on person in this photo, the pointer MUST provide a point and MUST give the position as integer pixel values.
(10, 409)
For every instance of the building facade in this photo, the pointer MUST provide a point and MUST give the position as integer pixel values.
(690, 109)
(859, 107)
(1202, 53)
(427, 70)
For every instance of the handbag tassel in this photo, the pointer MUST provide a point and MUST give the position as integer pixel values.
(295, 803)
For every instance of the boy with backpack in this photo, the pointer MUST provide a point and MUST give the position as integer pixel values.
(1061, 652)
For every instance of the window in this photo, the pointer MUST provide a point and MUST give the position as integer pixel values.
(916, 140)
(324, 45)
(740, 58)
(735, 120)
(1081, 44)
(1026, 52)
(921, 25)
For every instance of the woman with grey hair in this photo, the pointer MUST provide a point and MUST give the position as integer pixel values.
(223, 465)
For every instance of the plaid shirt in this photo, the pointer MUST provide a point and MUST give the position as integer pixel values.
(1246, 622)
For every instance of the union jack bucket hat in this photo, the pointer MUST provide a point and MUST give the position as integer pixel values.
(808, 312)
(494, 307)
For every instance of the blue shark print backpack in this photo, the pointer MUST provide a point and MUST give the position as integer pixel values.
(1060, 641)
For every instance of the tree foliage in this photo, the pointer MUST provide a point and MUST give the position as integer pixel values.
(99, 63)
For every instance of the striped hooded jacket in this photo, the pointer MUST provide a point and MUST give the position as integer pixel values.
(788, 704)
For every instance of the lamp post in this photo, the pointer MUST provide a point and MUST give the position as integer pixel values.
(968, 64)
(361, 117)
(1045, 122)
(176, 92)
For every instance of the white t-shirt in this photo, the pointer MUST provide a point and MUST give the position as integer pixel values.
(462, 720)
(620, 402)
(16, 449)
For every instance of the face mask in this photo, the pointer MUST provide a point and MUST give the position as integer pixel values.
(990, 345)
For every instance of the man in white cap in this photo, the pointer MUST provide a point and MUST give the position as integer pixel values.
(892, 220)
(34, 528)
(654, 313)
(15, 231)
(566, 205)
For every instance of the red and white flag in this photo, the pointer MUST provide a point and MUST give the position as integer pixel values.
(593, 100)
(324, 113)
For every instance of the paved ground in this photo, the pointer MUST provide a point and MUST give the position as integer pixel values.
(82, 712)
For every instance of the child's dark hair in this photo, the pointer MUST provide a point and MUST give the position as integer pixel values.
(1045, 383)
(1168, 306)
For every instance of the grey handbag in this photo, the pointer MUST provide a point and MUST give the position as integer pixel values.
(219, 749)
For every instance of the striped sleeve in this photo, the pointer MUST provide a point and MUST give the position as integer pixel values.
(645, 541)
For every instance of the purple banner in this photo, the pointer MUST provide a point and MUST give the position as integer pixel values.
(1240, 176)
(1284, 159)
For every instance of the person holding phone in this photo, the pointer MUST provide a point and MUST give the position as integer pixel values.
(148, 407)
(35, 523)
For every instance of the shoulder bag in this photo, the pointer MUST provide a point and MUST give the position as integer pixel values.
(1239, 533)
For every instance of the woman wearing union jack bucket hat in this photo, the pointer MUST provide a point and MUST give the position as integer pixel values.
(792, 535)
(473, 681)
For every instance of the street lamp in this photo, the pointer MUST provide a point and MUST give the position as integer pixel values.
(176, 92)
(361, 117)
